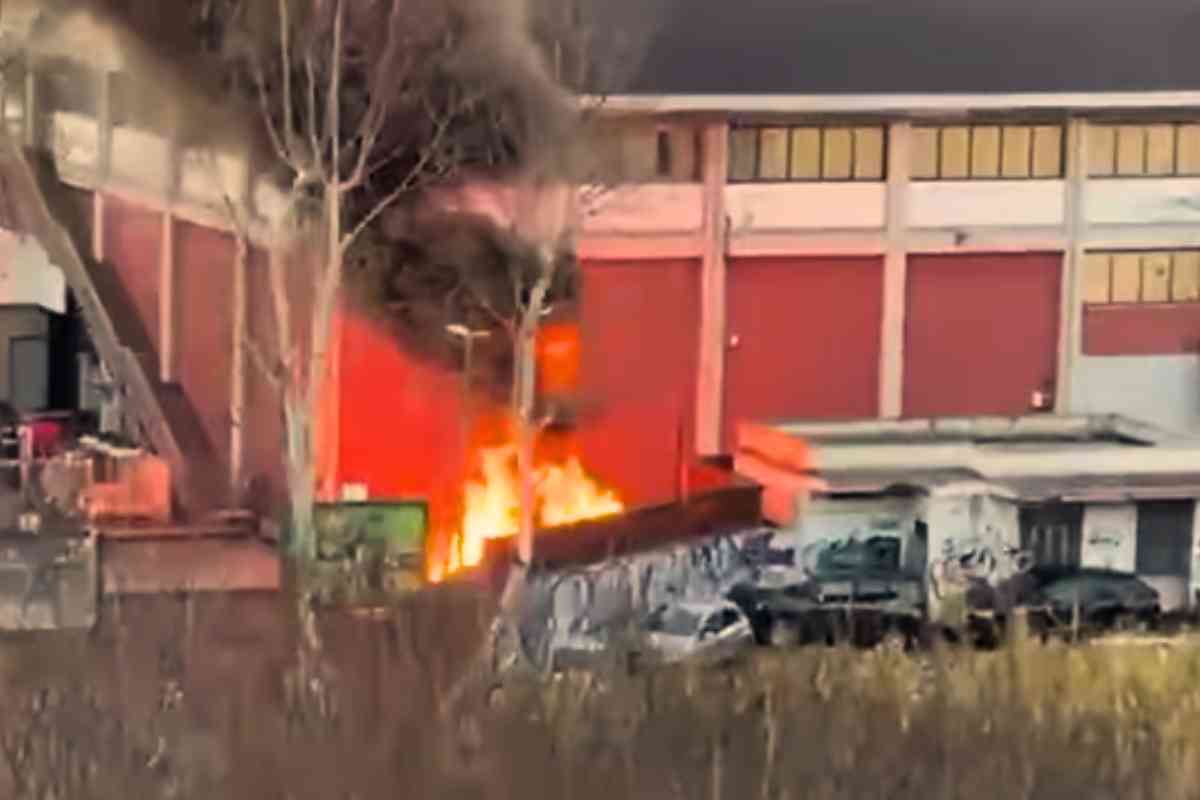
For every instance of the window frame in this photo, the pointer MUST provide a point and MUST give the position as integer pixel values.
(822, 127)
(1003, 128)
(1172, 254)
(1145, 127)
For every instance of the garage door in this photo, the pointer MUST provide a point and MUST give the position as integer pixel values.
(639, 348)
(981, 333)
(803, 339)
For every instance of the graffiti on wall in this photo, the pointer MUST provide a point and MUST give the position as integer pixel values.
(1109, 537)
(982, 557)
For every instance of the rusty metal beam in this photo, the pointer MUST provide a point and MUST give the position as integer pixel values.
(737, 506)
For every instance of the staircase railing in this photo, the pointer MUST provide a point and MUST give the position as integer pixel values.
(28, 189)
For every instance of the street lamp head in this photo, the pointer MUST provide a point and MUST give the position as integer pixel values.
(463, 332)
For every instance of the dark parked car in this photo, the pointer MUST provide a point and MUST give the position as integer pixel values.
(1062, 600)
(855, 592)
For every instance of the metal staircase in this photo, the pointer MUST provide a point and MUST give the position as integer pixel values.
(36, 199)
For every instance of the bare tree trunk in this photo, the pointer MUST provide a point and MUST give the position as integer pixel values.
(237, 389)
(524, 400)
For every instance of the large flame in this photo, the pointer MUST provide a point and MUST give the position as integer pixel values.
(564, 493)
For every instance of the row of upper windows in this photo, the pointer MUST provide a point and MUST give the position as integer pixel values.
(1162, 276)
(961, 152)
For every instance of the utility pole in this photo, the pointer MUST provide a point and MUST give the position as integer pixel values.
(468, 337)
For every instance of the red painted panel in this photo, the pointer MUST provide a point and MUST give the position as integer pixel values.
(981, 332)
(807, 339)
(640, 340)
(400, 429)
(204, 264)
(1139, 330)
(132, 236)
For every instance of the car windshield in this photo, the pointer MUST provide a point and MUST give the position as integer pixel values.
(674, 621)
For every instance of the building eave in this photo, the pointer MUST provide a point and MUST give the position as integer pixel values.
(895, 104)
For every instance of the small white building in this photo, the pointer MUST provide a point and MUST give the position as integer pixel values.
(985, 496)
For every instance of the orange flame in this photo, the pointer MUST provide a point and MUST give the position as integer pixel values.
(564, 492)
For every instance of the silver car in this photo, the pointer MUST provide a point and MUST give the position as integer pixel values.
(678, 631)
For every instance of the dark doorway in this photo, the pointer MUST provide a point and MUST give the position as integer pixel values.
(1053, 533)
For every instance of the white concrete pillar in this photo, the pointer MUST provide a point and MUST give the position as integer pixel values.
(895, 272)
(1070, 326)
(710, 383)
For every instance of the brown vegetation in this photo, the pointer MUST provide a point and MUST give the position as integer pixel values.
(177, 697)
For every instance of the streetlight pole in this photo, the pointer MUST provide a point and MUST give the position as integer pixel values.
(468, 337)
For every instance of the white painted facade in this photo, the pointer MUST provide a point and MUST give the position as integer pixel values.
(27, 277)
(768, 207)
(981, 204)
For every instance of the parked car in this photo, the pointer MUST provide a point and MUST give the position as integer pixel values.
(855, 592)
(711, 631)
(578, 648)
(1061, 600)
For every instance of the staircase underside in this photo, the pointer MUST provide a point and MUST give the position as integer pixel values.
(34, 201)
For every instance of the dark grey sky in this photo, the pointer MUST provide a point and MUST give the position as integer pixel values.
(977, 46)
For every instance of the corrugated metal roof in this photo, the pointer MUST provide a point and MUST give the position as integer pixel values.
(1067, 488)
(878, 482)
(748, 47)
(1031, 428)
(1107, 488)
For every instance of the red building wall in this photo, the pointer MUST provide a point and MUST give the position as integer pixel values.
(981, 332)
(401, 422)
(639, 352)
(1141, 329)
(803, 339)
(204, 264)
(132, 240)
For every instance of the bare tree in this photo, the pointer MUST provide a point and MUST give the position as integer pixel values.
(333, 149)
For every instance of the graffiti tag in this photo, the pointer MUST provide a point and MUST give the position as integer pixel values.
(976, 559)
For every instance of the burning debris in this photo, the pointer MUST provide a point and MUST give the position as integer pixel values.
(492, 506)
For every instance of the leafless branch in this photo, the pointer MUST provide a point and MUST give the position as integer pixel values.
(372, 121)
(408, 183)
(314, 138)
(285, 62)
(334, 93)
(264, 104)
(272, 374)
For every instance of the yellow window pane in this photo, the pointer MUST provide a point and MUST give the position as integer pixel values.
(1189, 150)
(1102, 150)
(837, 153)
(956, 153)
(924, 154)
(1185, 276)
(639, 148)
(1126, 277)
(1156, 277)
(605, 158)
(743, 154)
(1160, 149)
(773, 154)
(1017, 149)
(985, 151)
(1047, 151)
(1096, 277)
(684, 154)
(806, 154)
(1131, 150)
(868, 154)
